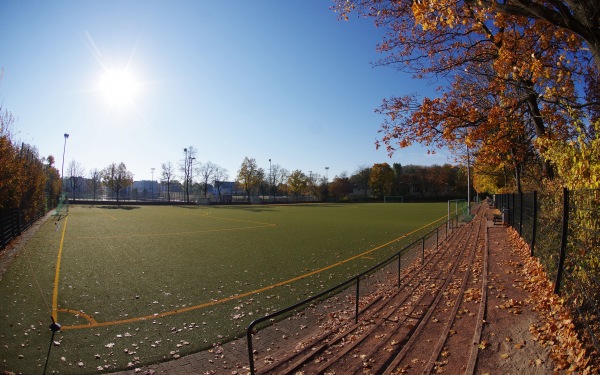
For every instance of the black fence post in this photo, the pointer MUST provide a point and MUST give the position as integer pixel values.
(250, 351)
(423, 250)
(534, 225)
(399, 268)
(511, 211)
(357, 296)
(520, 214)
(19, 224)
(563, 241)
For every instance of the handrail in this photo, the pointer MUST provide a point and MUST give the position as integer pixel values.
(330, 290)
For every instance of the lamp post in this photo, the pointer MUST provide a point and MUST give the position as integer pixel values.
(191, 174)
(186, 177)
(62, 168)
(152, 184)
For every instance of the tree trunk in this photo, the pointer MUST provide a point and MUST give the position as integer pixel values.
(540, 130)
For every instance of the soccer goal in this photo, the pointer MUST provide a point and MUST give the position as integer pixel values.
(63, 206)
(458, 210)
(393, 199)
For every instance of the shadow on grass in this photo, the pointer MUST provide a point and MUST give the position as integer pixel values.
(113, 207)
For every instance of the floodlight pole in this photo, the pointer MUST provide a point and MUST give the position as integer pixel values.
(62, 168)
(270, 179)
(191, 174)
(186, 177)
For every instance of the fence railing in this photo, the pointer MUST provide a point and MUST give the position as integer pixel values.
(12, 224)
(343, 294)
(563, 231)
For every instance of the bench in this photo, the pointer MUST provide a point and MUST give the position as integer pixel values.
(497, 218)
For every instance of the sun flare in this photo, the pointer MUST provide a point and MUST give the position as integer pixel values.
(118, 86)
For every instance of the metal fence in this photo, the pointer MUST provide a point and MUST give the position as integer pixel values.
(286, 330)
(563, 231)
(12, 224)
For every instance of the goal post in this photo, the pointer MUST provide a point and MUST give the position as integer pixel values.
(393, 199)
(458, 209)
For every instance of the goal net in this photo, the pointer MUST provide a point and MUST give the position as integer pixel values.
(63, 206)
(458, 210)
(393, 199)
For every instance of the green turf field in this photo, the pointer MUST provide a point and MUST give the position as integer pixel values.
(136, 285)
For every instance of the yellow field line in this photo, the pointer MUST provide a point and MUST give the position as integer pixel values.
(246, 294)
(57, 273)
(109, 215)
(88, 317)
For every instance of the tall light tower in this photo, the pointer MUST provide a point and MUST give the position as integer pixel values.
(186, 177)
(327, 174)
(270, 179)
(62, 168)
(191, 174)
(152, 184)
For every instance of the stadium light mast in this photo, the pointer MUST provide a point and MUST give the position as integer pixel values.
(186, 177)
(192, 158)
(270, 179)
(327, 174)
(62, 168)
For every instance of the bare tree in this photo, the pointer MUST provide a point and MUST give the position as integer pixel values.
(187, 169)
(219, 176)
(75, 172)
(207, 171)
(168, 172)
(95, 181)
(117, 177)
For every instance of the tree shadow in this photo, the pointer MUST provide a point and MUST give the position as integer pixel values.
(113, 207)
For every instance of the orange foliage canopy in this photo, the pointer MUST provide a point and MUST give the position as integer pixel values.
(511, 75)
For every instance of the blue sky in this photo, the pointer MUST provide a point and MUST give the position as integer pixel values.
(280, 80)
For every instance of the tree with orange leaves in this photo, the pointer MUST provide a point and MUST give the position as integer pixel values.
(512, 77)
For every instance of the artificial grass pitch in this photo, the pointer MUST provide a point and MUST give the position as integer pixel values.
(137, 285)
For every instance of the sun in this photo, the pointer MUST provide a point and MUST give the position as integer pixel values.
(118, 86)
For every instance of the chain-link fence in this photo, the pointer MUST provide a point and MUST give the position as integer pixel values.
(563, 231)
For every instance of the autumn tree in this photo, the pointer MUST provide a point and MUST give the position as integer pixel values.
(278, 177)
(360, 178)
(341, 186)
(513, 70)
(297, 183)
(26, 180)
(117, 178)
(53, 183)
(381, 179)
(249, 175)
